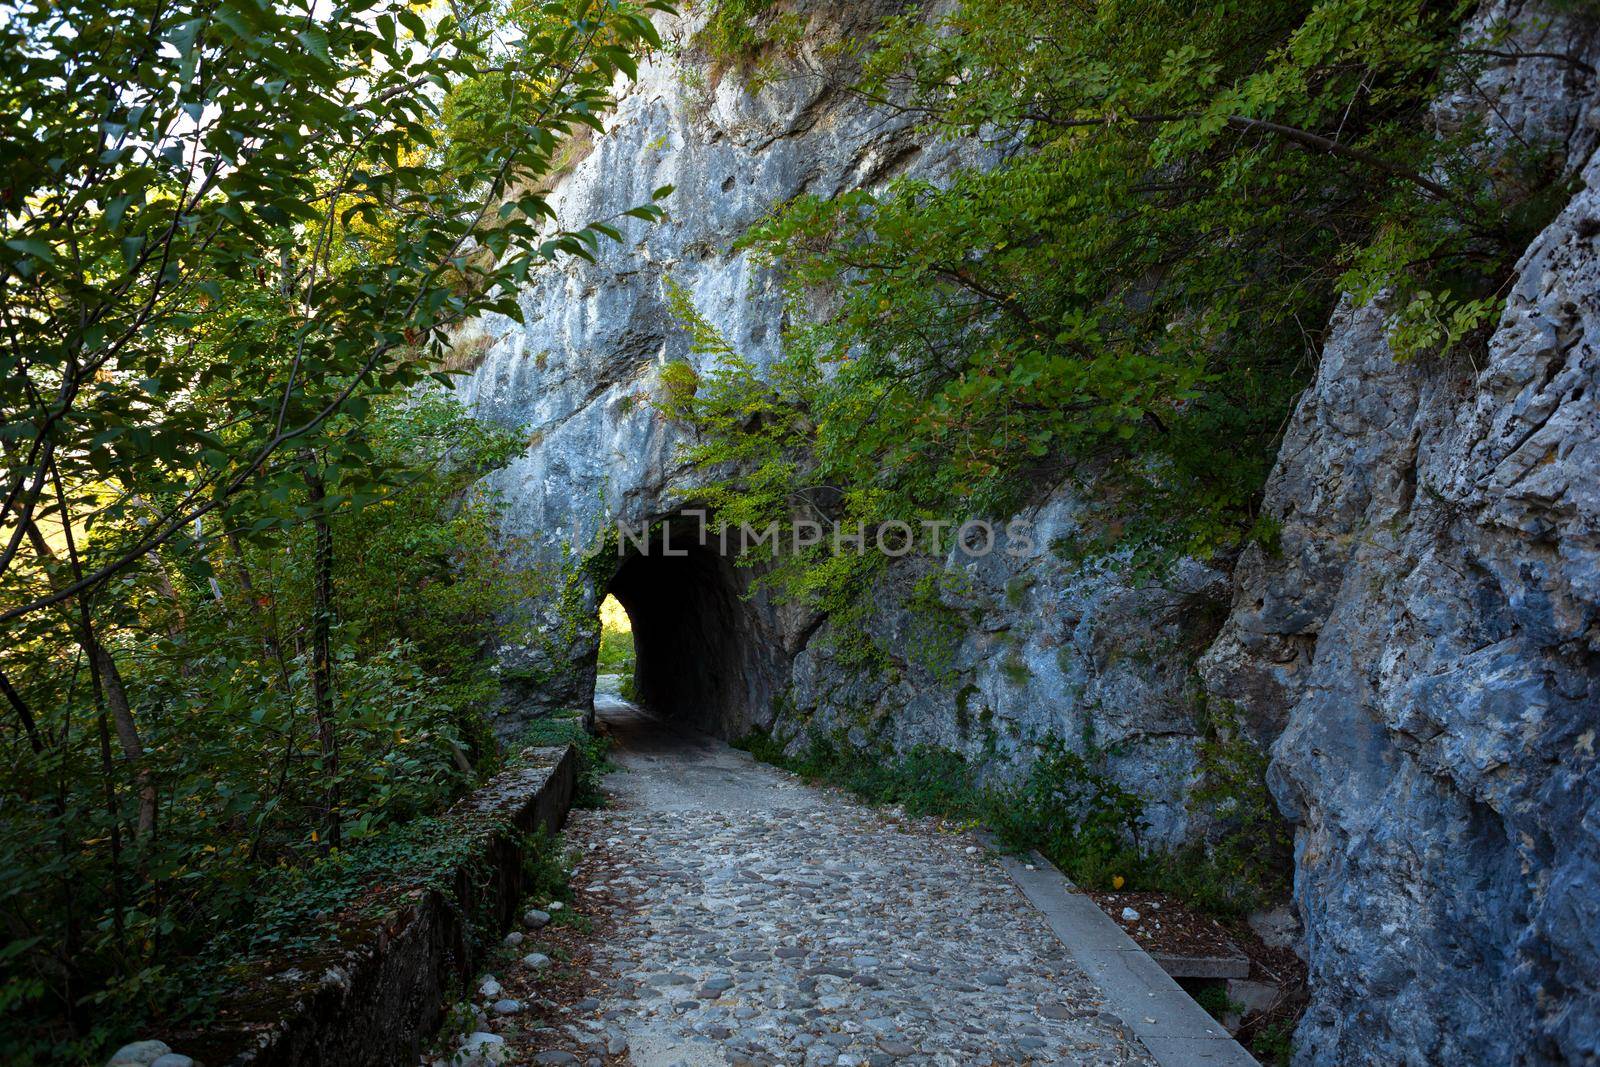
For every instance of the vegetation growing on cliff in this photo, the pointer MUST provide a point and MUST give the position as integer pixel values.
(244, 576)
(1131, 297)
(741, 33)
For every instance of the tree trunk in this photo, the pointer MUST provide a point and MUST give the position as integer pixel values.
(108, 682)
(247, 590)
(321, 641)
(21, 708)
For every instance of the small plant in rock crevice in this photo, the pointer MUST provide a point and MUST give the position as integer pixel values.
(1213, 997)
(1274, 1044)
(680, 383)
(1245, 860)
(546, 868)
(749, 35)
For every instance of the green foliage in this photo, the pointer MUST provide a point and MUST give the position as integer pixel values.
(245, 575)
(934, 629)
(616, 651)
(594, 762)
(1015, 668)
(680, 383)
(731, 33)
(616, 646)
(1133, 297)
(925, 780)
(1071, 811)
(752, 437)
(1274, 1044)
(766, 748)
(753, 423)
(222, 686)
(1066, 806)
(1246, 859)
(1213, 997)
(739, 33)
(1069, 808)
(301, 908)
(237, 246)
(546, 868)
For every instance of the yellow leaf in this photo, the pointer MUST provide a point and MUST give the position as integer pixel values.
(1116, 881)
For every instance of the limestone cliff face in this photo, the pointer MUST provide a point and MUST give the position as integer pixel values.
(583, 373)
(1043, 648)
(1425, 647)
(1429, 637)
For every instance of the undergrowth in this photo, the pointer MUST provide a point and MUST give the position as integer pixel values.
(594, 760)
(307, 909)
(546, 868)
(1070, 810)
(546, 878)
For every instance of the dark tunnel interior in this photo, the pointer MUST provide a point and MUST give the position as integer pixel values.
(703, 656)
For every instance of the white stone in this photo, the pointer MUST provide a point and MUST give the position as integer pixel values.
(1130, 915)
(138, 1054)
(482, 1050)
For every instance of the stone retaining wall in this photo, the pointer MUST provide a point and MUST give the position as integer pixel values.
(376, 996)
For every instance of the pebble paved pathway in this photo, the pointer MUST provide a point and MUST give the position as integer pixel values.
(758, 920)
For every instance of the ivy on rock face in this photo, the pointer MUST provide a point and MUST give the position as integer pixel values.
(1133, 290)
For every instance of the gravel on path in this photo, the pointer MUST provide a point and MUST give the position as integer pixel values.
(740, 916)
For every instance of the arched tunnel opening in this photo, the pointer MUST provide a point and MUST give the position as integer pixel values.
(705, 654)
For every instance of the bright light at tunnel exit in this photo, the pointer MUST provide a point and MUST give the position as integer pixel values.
(613, 616)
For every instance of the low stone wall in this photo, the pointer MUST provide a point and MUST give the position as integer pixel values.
(376, 995)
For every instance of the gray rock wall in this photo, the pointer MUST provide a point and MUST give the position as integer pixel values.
(1045, 649)
(1424, 647)
(1014, 652)
(1429, 637)
(583, 372)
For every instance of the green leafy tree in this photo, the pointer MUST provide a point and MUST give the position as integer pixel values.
(244, 575)
(1132, 291)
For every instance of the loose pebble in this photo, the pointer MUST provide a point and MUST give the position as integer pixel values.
(138, 1054)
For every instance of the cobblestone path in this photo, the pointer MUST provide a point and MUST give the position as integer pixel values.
(755, 919)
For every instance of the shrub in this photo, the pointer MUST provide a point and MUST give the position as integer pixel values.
(1069, 808)
(593, 751)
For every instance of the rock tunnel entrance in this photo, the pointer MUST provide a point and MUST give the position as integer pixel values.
(705, 655)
